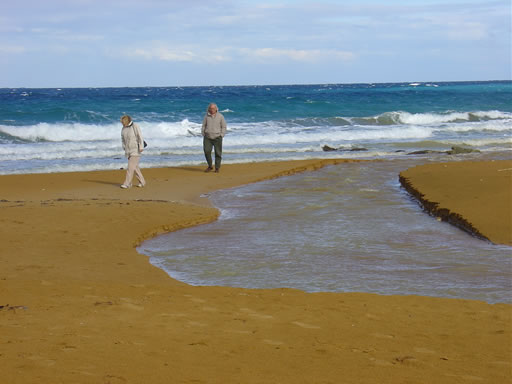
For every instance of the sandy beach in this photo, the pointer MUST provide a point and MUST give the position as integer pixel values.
(78, 304)
(475, 196)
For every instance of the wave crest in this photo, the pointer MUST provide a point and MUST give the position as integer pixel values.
(428, 119)
(397, 123)
(92, 132)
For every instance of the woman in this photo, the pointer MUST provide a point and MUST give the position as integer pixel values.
(133, 145)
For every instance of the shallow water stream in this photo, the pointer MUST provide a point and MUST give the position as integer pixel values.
(344, 228)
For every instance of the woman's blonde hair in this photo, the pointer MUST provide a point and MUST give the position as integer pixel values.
(126, 120)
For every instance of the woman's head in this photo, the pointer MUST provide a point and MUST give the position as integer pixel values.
(126, 120)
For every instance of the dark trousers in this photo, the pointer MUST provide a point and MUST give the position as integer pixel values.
(216, 144)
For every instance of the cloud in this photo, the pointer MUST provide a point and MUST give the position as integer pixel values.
(12, 49)
(466, 31)
(386, 38)
(225, 54)
(65, 35)
(179, 55)
(304, 55)
(164, 54)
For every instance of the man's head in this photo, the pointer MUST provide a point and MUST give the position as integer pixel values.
(212, 109)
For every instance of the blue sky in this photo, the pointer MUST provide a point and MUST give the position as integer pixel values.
(91, 43)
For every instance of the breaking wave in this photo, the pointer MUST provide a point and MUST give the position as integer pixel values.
(394, 124)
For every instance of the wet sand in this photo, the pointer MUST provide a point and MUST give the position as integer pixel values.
(80, 305)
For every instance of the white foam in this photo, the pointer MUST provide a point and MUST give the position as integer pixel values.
(499, 142)
(480, 126)
(439, 118)
(94, 132)
(95, 146)
(389, 123)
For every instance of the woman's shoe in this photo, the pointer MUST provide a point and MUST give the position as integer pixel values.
(140, 185)
(124, 186)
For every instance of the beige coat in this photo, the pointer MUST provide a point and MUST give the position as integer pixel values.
(214, 126)
(133, 143)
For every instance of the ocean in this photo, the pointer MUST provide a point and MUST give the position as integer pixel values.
(344, 228)
(78, 129)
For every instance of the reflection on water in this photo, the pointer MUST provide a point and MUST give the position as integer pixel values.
(344, 228)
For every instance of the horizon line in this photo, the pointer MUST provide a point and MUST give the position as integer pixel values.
(265, 85)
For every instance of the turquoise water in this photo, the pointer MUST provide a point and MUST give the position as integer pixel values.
(56, 130)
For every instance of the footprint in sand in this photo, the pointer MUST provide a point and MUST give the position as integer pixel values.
(274, 343)
(196, 324)
(256, 315)
(383, 336)
(503, 363)
(406, 360)
(424, 350)
(127, 304)
(133, 306)
(173, 315)
(195, 299)
(67, 347)
(111, 379)
(379, 362)
(304, 325)
(42, 361)
(261, 316)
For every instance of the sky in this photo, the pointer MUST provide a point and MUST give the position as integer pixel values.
(129, 43)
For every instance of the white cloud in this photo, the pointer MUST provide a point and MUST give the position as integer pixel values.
(305, 55)
(467, 31)
(164, 54)
(375, 38)
(225, 54)
(178, 55)
(12, 49)
(65, 35)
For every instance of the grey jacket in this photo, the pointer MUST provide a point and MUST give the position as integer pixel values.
(133, 142)
(214, 126)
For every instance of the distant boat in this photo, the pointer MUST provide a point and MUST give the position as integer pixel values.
(414, 84)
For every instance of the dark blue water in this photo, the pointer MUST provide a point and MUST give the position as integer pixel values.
(248, 103)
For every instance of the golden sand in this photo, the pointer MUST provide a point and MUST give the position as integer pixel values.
(80, 305)
(476, 196)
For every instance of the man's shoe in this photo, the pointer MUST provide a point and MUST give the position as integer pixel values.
(217, 170)
(209, 169)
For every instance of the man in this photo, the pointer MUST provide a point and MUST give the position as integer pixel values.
(213, 131)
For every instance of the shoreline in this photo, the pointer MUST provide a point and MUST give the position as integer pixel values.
(81, 305)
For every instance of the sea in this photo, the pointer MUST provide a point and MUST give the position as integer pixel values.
(78, 129)
(344, 228)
